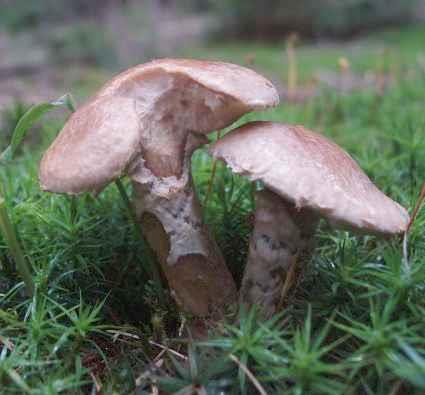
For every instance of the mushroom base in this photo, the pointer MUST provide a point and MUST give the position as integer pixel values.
(281, 243)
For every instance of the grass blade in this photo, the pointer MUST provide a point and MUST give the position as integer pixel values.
(29, 118)
(15, 249)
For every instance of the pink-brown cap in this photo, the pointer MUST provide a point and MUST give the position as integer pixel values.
(311, 171)
(244, 85)
(101, 140)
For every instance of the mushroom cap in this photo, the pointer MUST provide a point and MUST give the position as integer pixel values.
(96, 144)
(310, 171)
(241, 83)
(103, 138)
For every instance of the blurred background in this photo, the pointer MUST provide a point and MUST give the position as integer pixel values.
(49, 47)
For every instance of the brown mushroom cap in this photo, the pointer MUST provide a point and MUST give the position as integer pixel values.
(308, 170)
(94, 147)
(148, 111)
(243, 84)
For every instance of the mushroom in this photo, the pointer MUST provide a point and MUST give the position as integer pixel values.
(145, 123)
(306, 176)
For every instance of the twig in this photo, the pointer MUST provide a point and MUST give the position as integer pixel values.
(419, 203)
(117, 334)
(176, 353)
(253, 379)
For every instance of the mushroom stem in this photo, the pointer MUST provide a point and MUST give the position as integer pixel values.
(281, 242)
(171, 218)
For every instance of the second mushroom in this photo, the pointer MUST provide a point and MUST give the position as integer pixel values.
(306, 177)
